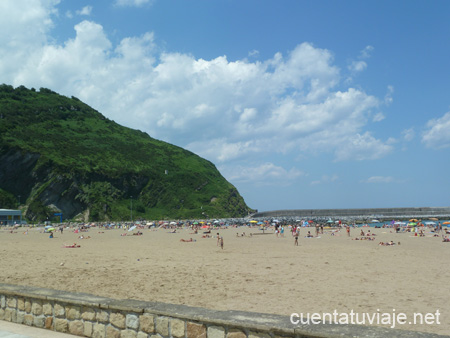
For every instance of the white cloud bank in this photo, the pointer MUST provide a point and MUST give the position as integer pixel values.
(437, 133)
(223, 110)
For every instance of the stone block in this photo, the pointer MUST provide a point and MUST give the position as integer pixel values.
(27, 305)
(128, 334)
(61, 325)
(76, 327)
(11, 302)
(147, 323)
(47, 309)
(98, 331)
(36, 308)
(9, 315)
(162, 326)
(132, 322)
(21, 304)
(2, 314)
(88, 313)
(236, 334)
(20, 317)
(102, 316)
(112, 332)
(142, 335)
(39, 321)
(258, 335)
(2, 302)
(215, 332)
(117, 319)
(59, 310)
(49, 323)
(177, 328)
(28, 319)
(88, 329)
(195, 330)
(73, 312)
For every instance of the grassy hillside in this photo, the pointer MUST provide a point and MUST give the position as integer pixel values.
(77, 155)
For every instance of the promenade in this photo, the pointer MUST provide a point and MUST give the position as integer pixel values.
(13, 330)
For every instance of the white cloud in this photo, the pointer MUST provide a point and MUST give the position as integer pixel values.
(325, 179)
(357, 66)
(362, 147)
(86, 10)
(408, 134)
(366, 52)
(437, 133)
(264, 174)
(133, 3)
(223, 110)
(379, 179)
(388, 97)
(254, 53)
(378, 117)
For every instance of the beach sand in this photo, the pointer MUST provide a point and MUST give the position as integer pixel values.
(261, 273)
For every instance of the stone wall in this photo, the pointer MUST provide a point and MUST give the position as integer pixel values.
(373, 212)
(92, 316)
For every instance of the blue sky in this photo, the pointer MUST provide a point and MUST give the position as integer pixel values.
(299, 104)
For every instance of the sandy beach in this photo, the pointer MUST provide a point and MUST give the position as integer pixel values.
(261, 273)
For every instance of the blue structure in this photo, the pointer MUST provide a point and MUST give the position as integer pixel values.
(60, 216)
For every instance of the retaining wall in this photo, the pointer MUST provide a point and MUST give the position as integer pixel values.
(92, 316)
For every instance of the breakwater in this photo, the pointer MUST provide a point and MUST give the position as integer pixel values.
(383, 213)
(92, 316)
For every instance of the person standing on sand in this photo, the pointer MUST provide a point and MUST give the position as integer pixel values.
(218, 239)
(348, 230)
(296, 240)
(221, 243)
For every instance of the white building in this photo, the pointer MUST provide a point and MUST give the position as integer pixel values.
(10, 217)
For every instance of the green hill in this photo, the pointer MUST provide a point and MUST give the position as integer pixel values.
(60, 155)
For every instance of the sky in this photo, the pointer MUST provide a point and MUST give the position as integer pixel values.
(299, 104)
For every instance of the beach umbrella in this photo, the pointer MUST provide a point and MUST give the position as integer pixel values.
(253, 221)
(132, 228)
(412, 224)
(433, 219)
(430, 223)
(375, 221)
(414, 220)
(446, 223)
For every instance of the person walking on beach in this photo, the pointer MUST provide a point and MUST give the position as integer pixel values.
(218, 239)
(221, 242)
(348, 230)
(296, 240)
